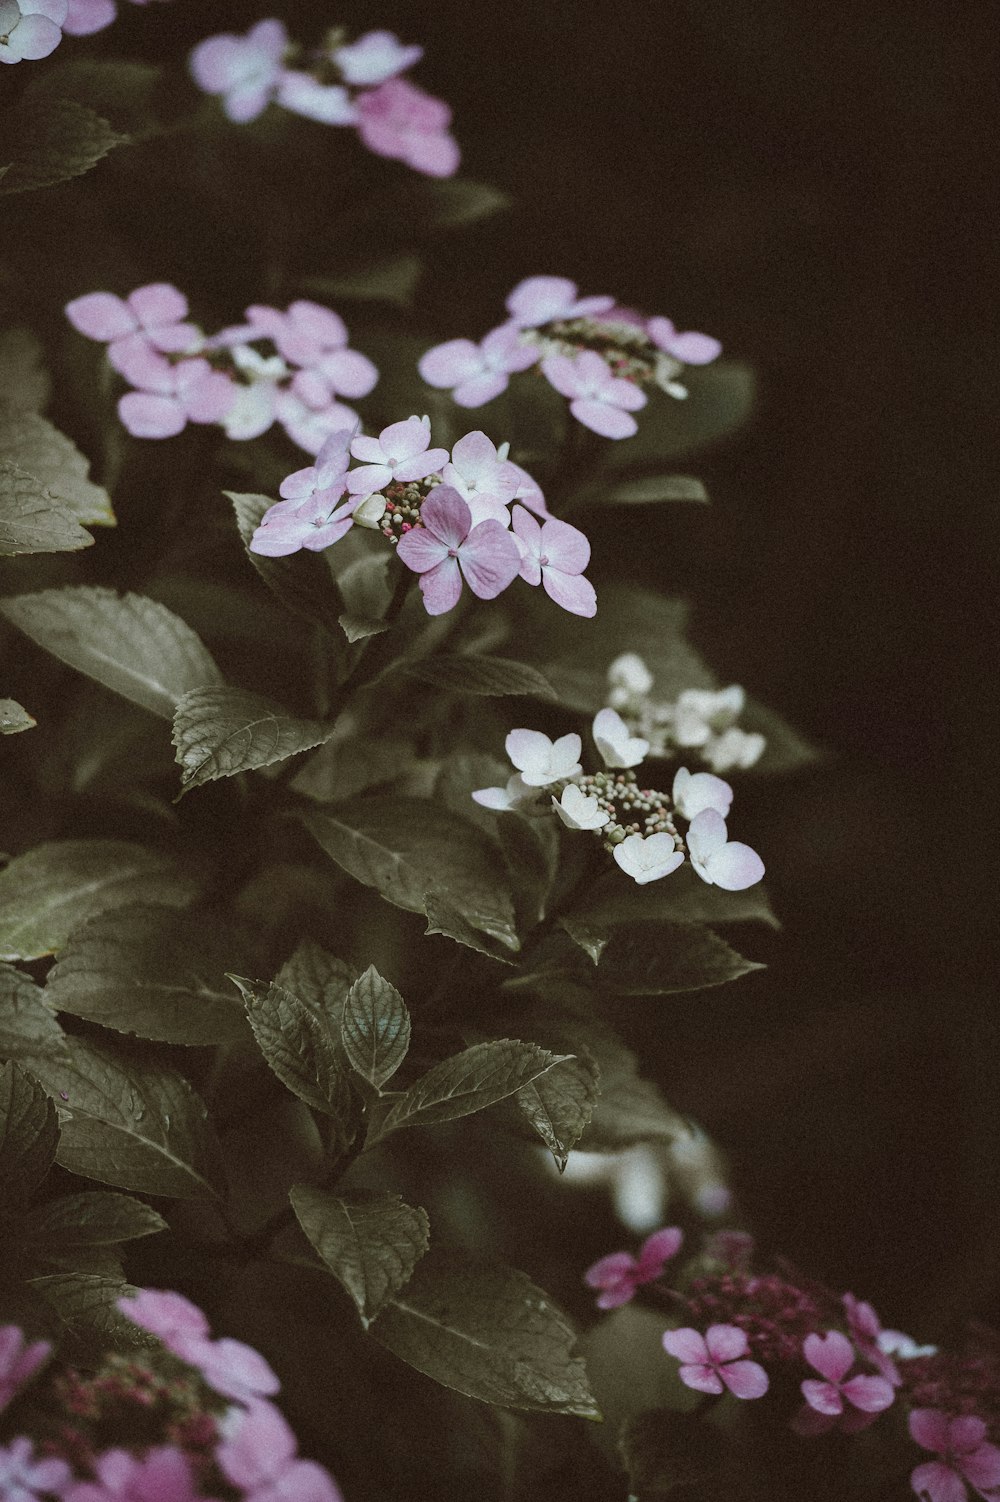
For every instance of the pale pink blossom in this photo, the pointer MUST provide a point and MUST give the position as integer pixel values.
(648, 857)
(374, 57)
(620, 1274)
(599, 399)
(617, 746)
(174, 395)
(30, 29)
(259, 1457)
(163, 1474)
(315, 523)
(230, 1367)
(315, 338)
(164, 1313)
(400, 121)
(964, 1457)
(330, 468)
(400, 452)
(528, 491)
(245, 70)
(554, 554)
(329, 103)
(865, 1329)
(545, 299)
(476, 373)
(838, 1401)
(18, 1361)
(152, 315)
(542, 761)
(310, 427)
(23, 1478)
(447, 548)
(718, 860)
(483, 477)
(84, 17)
(693, 792)
(690, 349)
(716, 1361)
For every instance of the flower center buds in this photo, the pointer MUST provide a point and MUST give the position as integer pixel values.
(629, 808)
(626, 349)
(401, 505)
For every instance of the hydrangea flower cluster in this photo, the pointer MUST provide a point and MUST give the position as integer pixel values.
(698, 721)
(32, 29)
(292, 366)
(752, 1333)
(191, 1420)
(636, 825)
(355, 83)
(454, 519)
(602, 357)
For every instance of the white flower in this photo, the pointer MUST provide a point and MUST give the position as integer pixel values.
(895, 1343)
(719, 861)
(695, 791)
(370, 512)
(540, 760)
(30, 29)
(629, 678)
(613, 741)
(648, 857)
(577, 810)
(503, 800)
(699, 713)
(734, 750)
(257, 367)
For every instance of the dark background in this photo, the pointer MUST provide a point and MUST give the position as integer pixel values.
(809, 184)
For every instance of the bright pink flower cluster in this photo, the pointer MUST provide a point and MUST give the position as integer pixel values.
(598, 355)
(356, 83)
(292, 366)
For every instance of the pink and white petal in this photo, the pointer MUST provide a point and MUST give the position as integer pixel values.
(213, 61)
(176, 338)
(967, 1432)
(870, 1394)
(566, 548)
(561, 372)
(685, 1344)
(54, 10)
(528, 530)
(593, 373)
(486, 508)
(421, 551)
(726, 1342)
(480, 389)
(330, 104)
(982, 1467)
(735, 867)
(823, 1396)
(368, 478)
(84, 17)
(609, 422)
(609, 1271)
(657, 1249)
(489, 559)
(624, 394)
(695, 349)
(571, 591)
(614, 1298)
(311, 388)
(210, 398)
(406, 439)
(832, 1354)
(101, 315)
(349, 372)
(473, 456)
(538, 299)
(147, 416)
(158, 303)
(260, 1449)
(528, 491)
(246, 103)
(252, 412)
(705, 838)
(447, 516)
(442, 586)
(938, 1482)
(586, 307)
(326, 536)
(135, 358)
(436, 153)
(236, 1370)
(368, 449)
(528, 750)
(34, 37)
(269, 37)
(745, 1379)
(421, 465)
(702, 1378)
(451, 363)
(273, 541)
(504, 347)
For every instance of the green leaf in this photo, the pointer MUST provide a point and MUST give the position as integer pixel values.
(469, 1081)
(24, 381)
(375, 1028)
(14, 718)
(92, 1218)
(31, 521)
(51, 140)
(48, 892)
(685, 898)
(665, 1452)
(442, 918)
(409, 847)
(644, 490)
(446, 203)
(392, 280)
(27, 1023)
(720, 400)
(486, 1330)
(531, 850)
(130, 1123)
(318, 979)
(786, 750)
(151, 971)
(559, 1104)
(462, 774)
(220, 731)
(134, 646)
(364, 590)
(120, 91)
(300, 581)
(492, 676)
(370, 1242)
(32, 444)
(348, 763)
(86, 1304)
(659, 959)
(300, 1046)
(29, 1133)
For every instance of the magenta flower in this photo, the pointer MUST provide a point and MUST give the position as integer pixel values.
(329, 103)
(374, 57)
(476, 373)
(447, 548)
(331, 467)
(314, 524)
(260, 1459)
(30, 29)
(619, 1274)
(600, 400)
(399, 452)
(245, 70)
(315, 338)
(152, 315)
(483, 477)
(832, 1400)
(554, 554)
(690, 349)
(718, 860)
(23, 1478)
(963, 1456)
(230, 1367)
(18, 1361)
(716, 1361)
(865, 1329)
(163, 1474)
(545, 299)
(174, 395)
(402, 122)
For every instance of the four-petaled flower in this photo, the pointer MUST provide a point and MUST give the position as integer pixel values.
(151, 315)
(599, 399)
(483, 476)
(718, 860)
(648, 857)
(579, 810)
(315, 339)
(171, 396)
(554, 554)
(544, 299)
(315, 523)
(690, 349)
(399, 452)
(400, 121)
(716, 1361)
(259, 1457)
(446, 548)
(617, 746)
(542, 761)
(245, 70)
(30, 29)
(18, 1361)
(619, 1274)
(964, 1455)
(476, 373)
(374, 57)
(330, 468)
(693, 792)
(838, 1401)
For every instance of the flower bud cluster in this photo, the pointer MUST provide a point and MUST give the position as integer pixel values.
(698, 721)
(338, 83)
(597, 354)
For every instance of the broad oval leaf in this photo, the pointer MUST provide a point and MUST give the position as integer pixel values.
(49, 891)
(219, 731)
(371, 1243)
(300, 1045)
(560, 1103)
(31, 521)
(643, 490)
(51, 140)
(375, 1028)
(92, 1218)
(470, 1081)
(490, 676)
(684, 898)
(87, 1306)
(30, 442)
(301, 581)
(29, 1133)
(27, 1022)
(486, 1330)
(133, 645)
(720, 400)
(442, 918)
(659, 959)
(24, 382)
(318, 979)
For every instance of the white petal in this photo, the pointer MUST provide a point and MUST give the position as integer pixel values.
(617, 747)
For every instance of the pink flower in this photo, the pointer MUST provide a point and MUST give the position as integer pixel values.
(546, 299)
(374, 57)
(448, 548)
(310, 427)
(528, 491)
(477, 372)
(230, 1367)
(315, 337)
(245, 70)
(163, 1474)
(832, 1399)
(329, 103)
(151, 315)
(18, 1361)
(715, 1361)
(314, 523)
(30, 29)
(865, 1328)
(169, 1315)
(174, 395)
(486, 481)
(260, 1459)
(84, 17)
(402, 122)
(620, 1274)
(964, 1456)
(690, 349)
(601, 401)
(719, 861)
(331, 466)
(399, 452)
(555, 555)
(22, 1477)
